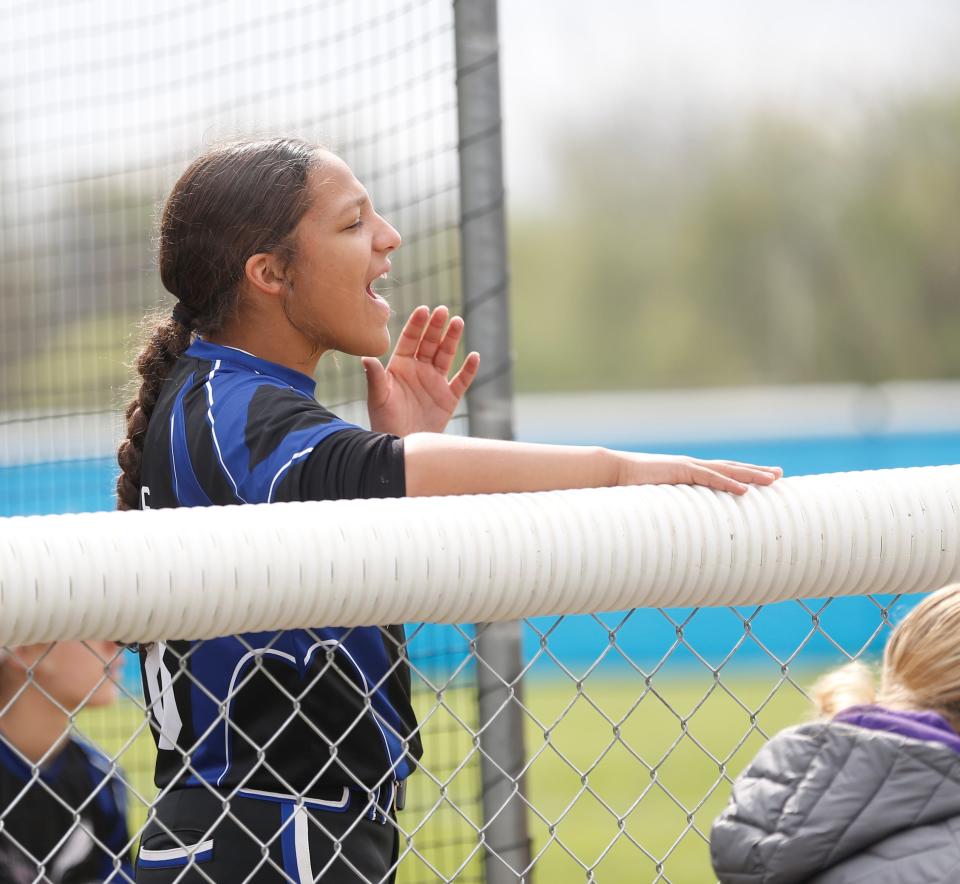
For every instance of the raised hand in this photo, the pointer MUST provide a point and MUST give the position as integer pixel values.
(412, 394)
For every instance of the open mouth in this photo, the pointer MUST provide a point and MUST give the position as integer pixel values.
(377, 298)
(370, 290)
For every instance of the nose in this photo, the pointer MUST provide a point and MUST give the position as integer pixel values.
(388, 238)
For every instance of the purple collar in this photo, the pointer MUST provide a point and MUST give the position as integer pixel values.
(930, 726)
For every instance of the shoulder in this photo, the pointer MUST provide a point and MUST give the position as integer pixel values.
(814, 752)
(819, 793)
(101, 770)
(253, 401)
(97, 763)
(269, 401)
(254, 427)
(108, 804)
(231, 398)
(929, 853)
(243, 405)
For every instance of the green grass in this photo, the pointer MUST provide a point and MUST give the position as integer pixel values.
(626, 779)
(626, 783)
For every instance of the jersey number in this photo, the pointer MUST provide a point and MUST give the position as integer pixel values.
(163, 701)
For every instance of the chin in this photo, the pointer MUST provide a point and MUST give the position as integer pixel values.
(379, 346)
(105, 695)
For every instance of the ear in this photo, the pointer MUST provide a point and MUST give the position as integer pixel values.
(266, 274)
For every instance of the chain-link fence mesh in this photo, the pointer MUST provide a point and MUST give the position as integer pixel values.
(635, 725)
(103, 107)
(634, 722)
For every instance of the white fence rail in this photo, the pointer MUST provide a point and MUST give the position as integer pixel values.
(200, 573)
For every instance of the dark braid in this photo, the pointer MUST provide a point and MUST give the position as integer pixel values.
(167, 341)
(236, 200)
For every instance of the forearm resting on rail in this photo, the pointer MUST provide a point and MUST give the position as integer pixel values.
(436, 464)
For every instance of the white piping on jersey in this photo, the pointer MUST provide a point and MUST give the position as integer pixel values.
(239, 350)
(283, 469)
(75, 849)
(301, 843)
(306, 662)
(173, 455)
(213, 429)
(328, 804)
(337, 644)
(233, 681)
(176, 852)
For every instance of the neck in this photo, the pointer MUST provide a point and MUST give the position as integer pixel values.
(262, 342)
(34, 725)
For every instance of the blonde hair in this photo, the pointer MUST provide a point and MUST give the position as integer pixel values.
(920, 670)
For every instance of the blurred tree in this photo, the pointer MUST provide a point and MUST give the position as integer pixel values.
(82, 260)
(772, 252)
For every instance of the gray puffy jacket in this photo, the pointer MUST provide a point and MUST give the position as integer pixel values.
(832, 803)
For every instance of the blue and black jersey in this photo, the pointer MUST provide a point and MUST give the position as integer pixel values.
(306, 713)
(70, 819)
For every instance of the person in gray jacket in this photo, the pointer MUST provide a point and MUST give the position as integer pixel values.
(870, 793)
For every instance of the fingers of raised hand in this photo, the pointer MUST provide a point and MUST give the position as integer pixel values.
(412, 332)
(432, 335)
(464, 378)
(448, 345)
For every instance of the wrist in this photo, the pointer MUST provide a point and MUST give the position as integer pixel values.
(611, 465)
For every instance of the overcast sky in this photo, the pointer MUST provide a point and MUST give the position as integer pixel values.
(675, 63)
(83, 83)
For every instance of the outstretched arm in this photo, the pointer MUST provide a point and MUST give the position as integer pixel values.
(437, 465)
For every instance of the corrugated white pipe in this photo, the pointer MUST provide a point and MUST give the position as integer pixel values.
(199, 573)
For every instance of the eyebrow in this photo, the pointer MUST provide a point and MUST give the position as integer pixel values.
(361, 200)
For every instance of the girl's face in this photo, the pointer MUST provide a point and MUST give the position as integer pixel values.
(72, 674)
(341, 248)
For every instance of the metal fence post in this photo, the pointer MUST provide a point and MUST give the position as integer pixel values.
(485, 306)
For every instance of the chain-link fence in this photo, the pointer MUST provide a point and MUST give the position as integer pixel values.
(277, 745)
(635, 724)
(102, 108)
(628, 728)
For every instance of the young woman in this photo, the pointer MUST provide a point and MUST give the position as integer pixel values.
(62, 809)
(273, 251)
(872, 791)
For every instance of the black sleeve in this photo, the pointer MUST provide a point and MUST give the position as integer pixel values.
(348, 464)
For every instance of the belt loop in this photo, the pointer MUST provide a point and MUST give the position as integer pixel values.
(400, 799)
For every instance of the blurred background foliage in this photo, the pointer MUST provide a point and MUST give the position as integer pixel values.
(770, 251)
